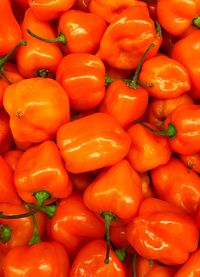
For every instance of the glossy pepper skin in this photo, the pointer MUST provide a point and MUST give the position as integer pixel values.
(10, 33)
(21, 228)
(83, 78)
(90, 261)
(37, 55)
(41, 168)
(122, 48)
(191, 267)
(185, 120)
(187, 52)
(168, 77)
(47, 10)
(192, 161)
(119, 95)
(8, 191)
(83, 31)
(147, 150)
(116, 190)
(74, 225)
(108, 10)
(6, 139)
(37, 108)
(46, 259)
(182, 189)
(159, 109)
(163, 232)
(176, 16)
(144, 269)
(103, 143)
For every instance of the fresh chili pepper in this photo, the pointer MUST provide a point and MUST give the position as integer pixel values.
(6, 139)
(182, 189)
(47, 10)
(17, 232)
(8, 191)
(177, 16)
(159, 109)
(191, 267)
(10, 32)
(77, 32)
(168, 77)
(187, 52)
(42, 259)
(130, 95)
(37, 108)
(74, 225)
(122, 48)
(12, 157)
(41, 170)
(162, 232)
(102, 143)
(147, 150)
(78, 71)
(109, 9)
(38, 58)
(90, 261)
(182, 127)
(148, 268)
(192, 161)
(108, 196)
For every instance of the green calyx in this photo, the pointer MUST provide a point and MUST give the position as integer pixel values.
(196, 21)
(5, 233)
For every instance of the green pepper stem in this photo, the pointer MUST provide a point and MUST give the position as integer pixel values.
(36, 237)
(5, 233)
(108, 217)
(109, 80)
(41, 196)
(16, 216)
(196, 21)
(134, 265)
(49, 210)
(43, 73)
(5, 58)
(169, 132)
(60, 39)
(121, 253)
(158, 28)
(134, 81)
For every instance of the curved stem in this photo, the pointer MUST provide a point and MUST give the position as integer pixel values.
(36, 237)
(41, 196)
(170, 131)
(5, 233)
(60, 39)
(49, 210)
(108, 217)
(133, 82)
(5, 58)
(30, 213)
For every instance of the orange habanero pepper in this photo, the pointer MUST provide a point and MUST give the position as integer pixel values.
(177, 16)
(163, 232)
(17, 231)
(90, 261)
(12, 157)
(92, 142)
(147, 150)
(72, 230)
(191, 268)
(159, 109)
(38, 58)
(47, 10)
(192, 161)
(115, 193)
(41, 259)
(37, 108)
(10, 32)
(187, 52)
(182, 189)
(83, 78)
(41, 169)
(168, 77)
(122, 48)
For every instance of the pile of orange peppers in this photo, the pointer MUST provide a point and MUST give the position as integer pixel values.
(99, 138)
